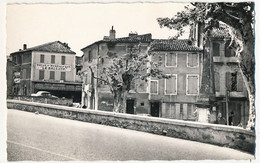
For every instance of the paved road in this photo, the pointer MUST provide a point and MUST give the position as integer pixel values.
(40, 138)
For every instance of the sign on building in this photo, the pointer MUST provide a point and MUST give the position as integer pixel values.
(53, 67)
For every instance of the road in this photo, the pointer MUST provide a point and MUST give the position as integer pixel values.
(44, 138)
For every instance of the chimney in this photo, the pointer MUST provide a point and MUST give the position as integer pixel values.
(132, 34)
(112, 33)
(24, 46)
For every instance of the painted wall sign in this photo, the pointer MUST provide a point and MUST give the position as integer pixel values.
(53, 67)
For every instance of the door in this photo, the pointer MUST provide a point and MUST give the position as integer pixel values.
(130, 106)
(155, 109)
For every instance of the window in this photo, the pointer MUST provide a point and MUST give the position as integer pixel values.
(41, 74)
(193, 60)
(42, 58)
(14, 59)
(171, 85)
(192, 85)
(63, 76)
(170, 110)
(190, 110)
(90, 57)
(52, 58)
(234, 81)
(19, 59)
(216, 49)
(28, 73)
(170, 60)
(63, 60)
(52, 75)
(154, 87)
(217, 81)
(228, 50)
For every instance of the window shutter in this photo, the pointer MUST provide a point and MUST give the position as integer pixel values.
(153, 86)
(217, 81)
(228, 81)
(227, 49)
(240, 82)
(190, 60)
(216, 49)
(192, 85)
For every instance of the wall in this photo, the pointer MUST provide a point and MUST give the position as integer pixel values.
(232, 137)
(55, 101)
(70, 60)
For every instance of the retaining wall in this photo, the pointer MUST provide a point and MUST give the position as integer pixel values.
(228, 136)
(45, 100)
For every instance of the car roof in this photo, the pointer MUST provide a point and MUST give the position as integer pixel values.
(43, 92)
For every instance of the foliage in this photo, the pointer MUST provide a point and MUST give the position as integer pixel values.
(126, 68)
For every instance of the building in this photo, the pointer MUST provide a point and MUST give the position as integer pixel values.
(98, 55)
(176, 97)
(223, 85)
(49, 67)
(168, 98)
(10, 77)
(230, 89)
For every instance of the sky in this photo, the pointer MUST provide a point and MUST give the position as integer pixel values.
(82, 24)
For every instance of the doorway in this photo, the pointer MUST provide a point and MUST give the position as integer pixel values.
(155, 109)
(130, 106)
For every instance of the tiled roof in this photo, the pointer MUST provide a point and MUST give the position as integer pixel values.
(134, 39)
(145, 38)
(56, 46)
(219, 33)
(174, 45)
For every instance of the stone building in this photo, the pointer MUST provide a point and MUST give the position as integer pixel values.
(49, 67)
(11, 80)
(173, 98)
(223, 85)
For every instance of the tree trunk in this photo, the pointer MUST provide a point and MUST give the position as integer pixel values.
(120, 101)
(247, 65)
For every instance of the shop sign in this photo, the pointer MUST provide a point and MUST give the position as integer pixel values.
(53, 67)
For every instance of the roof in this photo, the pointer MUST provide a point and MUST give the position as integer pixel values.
(56, 46)
(219, 33)
(174, 45)
(145, 38)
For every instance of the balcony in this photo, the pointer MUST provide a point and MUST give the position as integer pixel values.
(225, 59)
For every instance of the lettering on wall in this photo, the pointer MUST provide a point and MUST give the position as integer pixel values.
(53, 67)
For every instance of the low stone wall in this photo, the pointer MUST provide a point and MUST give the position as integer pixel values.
(55, 101)
(228, 136)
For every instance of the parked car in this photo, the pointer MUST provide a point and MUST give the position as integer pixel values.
(43, 94)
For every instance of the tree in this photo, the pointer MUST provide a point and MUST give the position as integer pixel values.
(239, 19)
(127, 68)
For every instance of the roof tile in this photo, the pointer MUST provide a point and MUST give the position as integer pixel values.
(174, 45)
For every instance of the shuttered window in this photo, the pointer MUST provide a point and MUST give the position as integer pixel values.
(42, 58)
(193, 60)
(170, 111)
(63, 76)
(192, 87)
(240, 82)
(154, 87)
(52, 58)
(41, 74)
(171, 60)
(171, 85)
(28, 73)
(216, 49)
(52, 75)
(234, 81)
(63, 60)
(217, 81)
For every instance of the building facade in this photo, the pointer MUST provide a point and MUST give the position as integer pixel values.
(168, 98)
(231, 93)
(49, 67)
